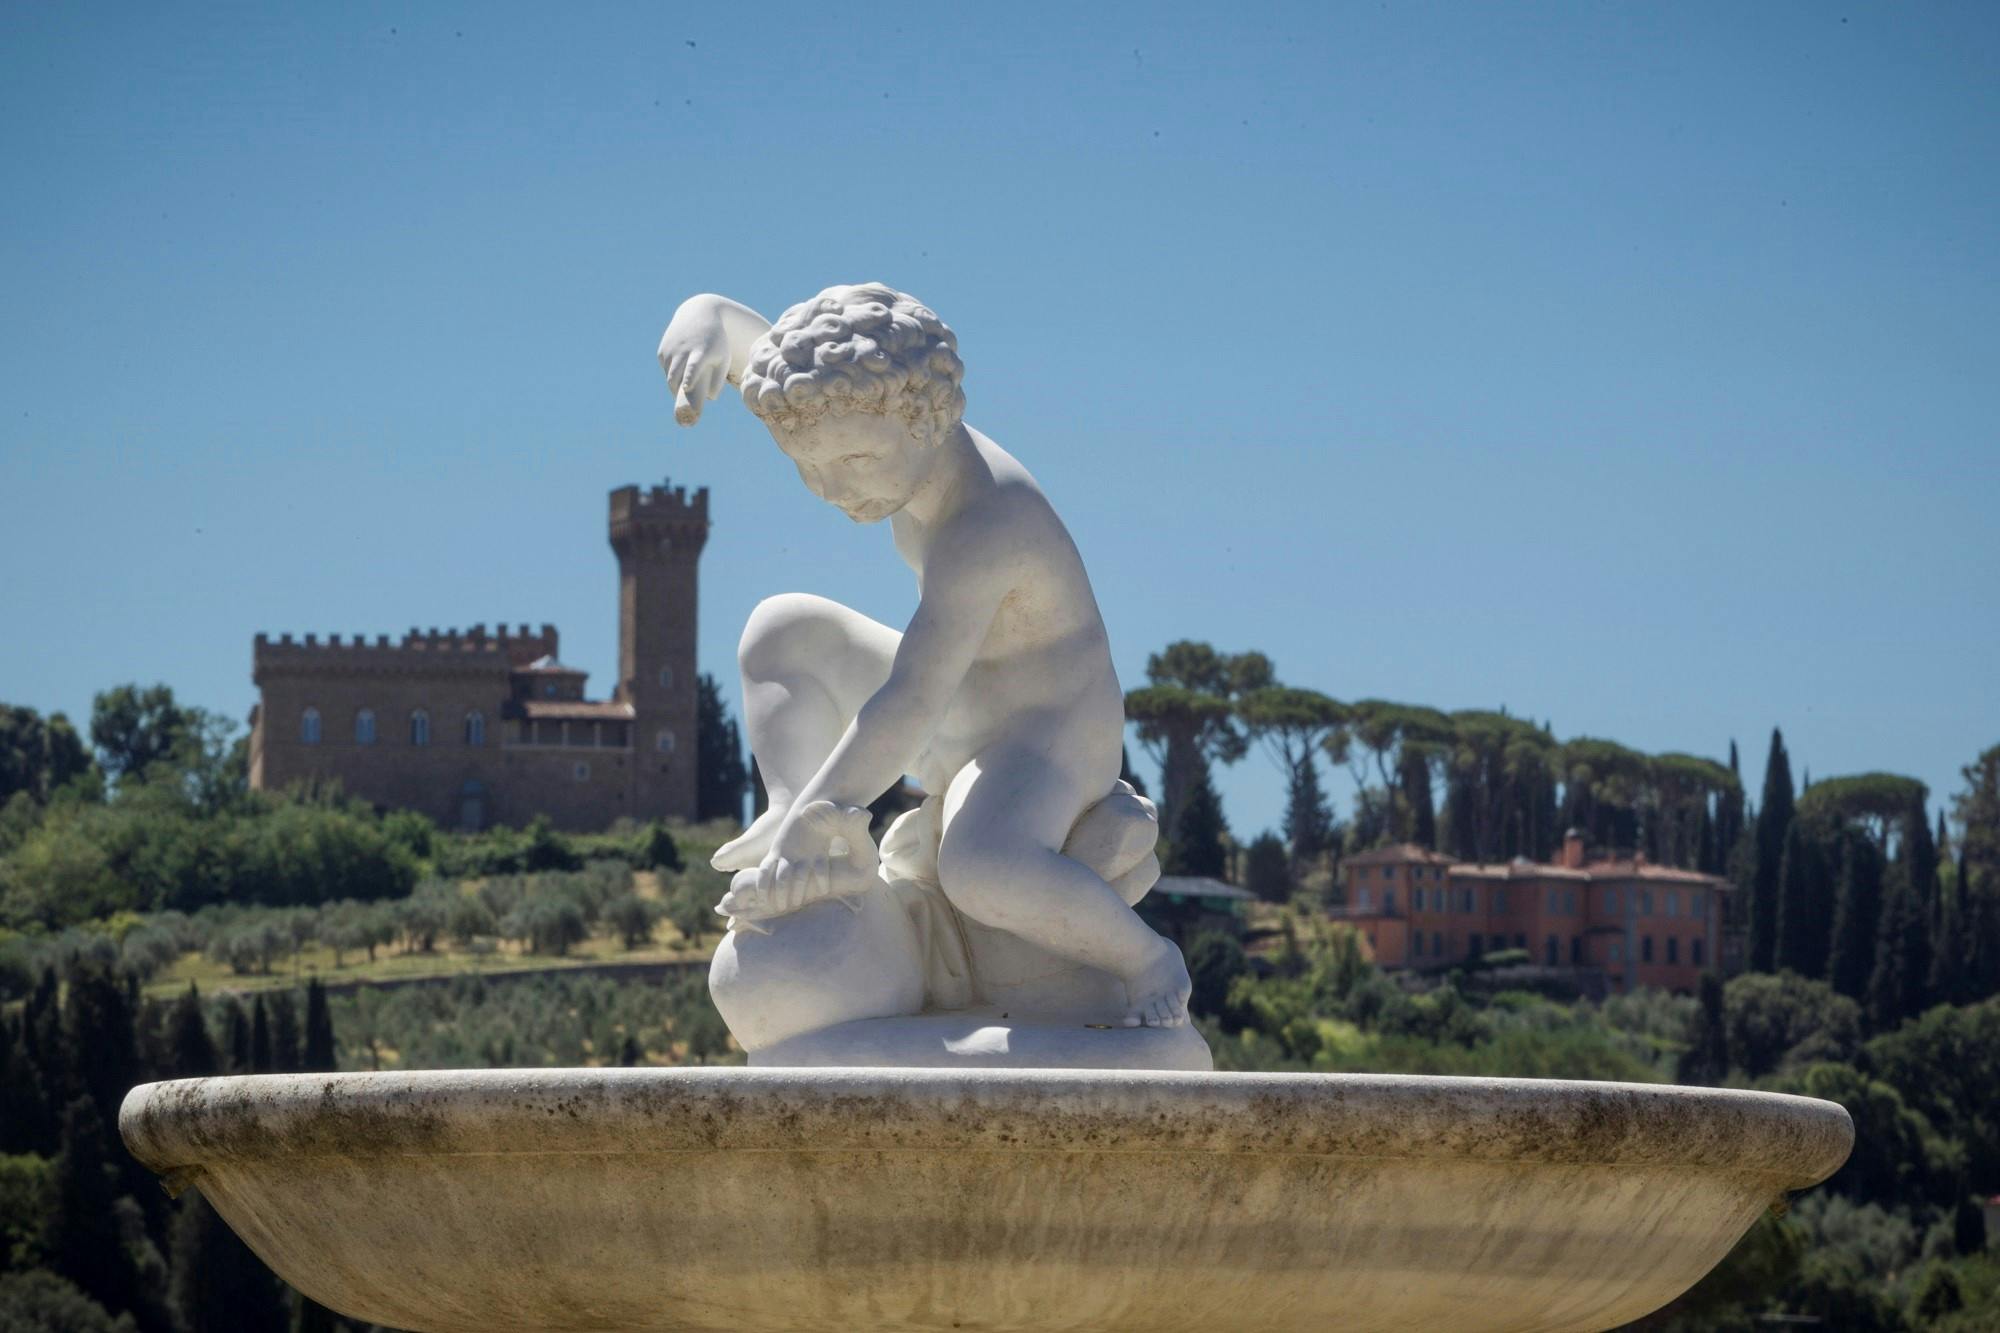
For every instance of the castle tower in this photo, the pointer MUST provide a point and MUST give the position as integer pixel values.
(658, 534)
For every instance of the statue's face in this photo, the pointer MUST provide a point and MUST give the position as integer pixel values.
(867, 465)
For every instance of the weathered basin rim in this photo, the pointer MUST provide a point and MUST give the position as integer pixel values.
(1795, 1141)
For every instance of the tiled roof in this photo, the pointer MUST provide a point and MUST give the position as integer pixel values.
(1647, 870)
(1401, 853)
(577, 710)
(1201, 886)
(1517, 870)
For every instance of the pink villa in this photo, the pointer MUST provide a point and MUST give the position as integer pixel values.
(1633, 922)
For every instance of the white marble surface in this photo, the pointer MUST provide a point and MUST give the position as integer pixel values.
(1014, 886)
(892, 1199)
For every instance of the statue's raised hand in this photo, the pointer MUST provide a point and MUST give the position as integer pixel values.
(706, 345)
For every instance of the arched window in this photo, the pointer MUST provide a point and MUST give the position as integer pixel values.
(664, 742)
(420, 728)
(666, 678)
(309, 727)
(364, 727)
(475, 728)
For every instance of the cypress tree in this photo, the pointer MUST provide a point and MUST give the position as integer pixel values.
(1267, 870)
(1308, 820)
(1197, 845)
(1706, 1060)
(191, 1052)
(1414, 777)
(260, 1037)
(718, 756)
(217, 1285)
(1857, 913)
(284, 1034)
(1980, 903)
(1774, 817)
(1804, 930)
(27, 1121)
(236, 1027)
(1125, 770)
(83, 1236)
(99, 1038)
(1902, 957)
(321, 1055)
(1947, 980)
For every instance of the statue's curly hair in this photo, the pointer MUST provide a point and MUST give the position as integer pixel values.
(864, 348)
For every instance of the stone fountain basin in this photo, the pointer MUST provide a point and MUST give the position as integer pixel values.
(844, 1199)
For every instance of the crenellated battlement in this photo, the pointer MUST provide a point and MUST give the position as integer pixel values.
(501, 649)
(678, 522)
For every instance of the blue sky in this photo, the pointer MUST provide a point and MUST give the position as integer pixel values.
(1632, 367)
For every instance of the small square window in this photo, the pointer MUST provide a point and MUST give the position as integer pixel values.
(580, 770)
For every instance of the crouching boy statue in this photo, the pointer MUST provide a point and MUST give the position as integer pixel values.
(1008, 895)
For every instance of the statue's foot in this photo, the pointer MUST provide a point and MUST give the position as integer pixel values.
(1157, 994)
(748, 849)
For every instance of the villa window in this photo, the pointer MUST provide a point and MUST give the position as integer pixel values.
(1673, 903)
(1611, 902)
(1645, 902)
(1697, 902)
(1362, 897)
(475, 728)
(1576, 949)
(364, 727)
(1673, 949)
(1474, 944)
(1569, 902)
(1646, 949)
(1389, 900)
(309, 727)
(1500, 900)
(1417, 943)
(1416, 900)
(420, 728)
(1553, 952)
(664, 742)
(1437, 944)
(1617, 951)
(1555, 901)
(1694, 952)
(1471, 901)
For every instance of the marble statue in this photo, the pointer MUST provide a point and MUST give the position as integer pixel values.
(1008, 894)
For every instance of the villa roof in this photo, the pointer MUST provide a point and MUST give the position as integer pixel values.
(1398, 854)
(1518, 868)
(1201, 886)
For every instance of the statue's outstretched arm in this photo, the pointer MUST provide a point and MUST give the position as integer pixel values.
(707, 345)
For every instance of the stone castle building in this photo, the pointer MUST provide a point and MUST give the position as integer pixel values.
(476, 728)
